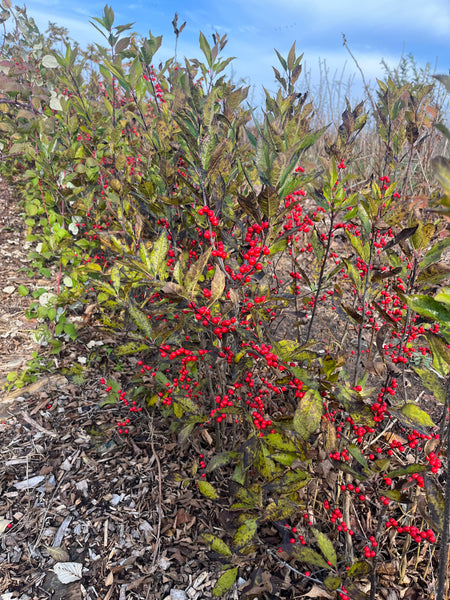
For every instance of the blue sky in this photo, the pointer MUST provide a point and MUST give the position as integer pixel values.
(374, 29)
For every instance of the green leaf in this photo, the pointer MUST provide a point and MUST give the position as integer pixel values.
(141, 321)
(281, 59)
(289, 482)
(434, 255)
(144, 255)
(278, 246)
(221, 459)
(206, 49)
(22, 290)
(409, 470)
(69, 329)
(317, 245)
(308, 415)
(429, 307)
(414, 417)
(395, 495)
(216, 544)
(332, 582)
(207, 489)
(431, 381)
(358, 569)
(217, 285)
(185, 432)
(115, 278)
(283, 509)
(130, 348)
(441, 352)
(284, 458)
(245, 534)
(435, 503)
(326, 547)
(268, 201)
(358, 455)
(309, 556)
(278, 442)
(443, 295)
(195, 270)
(353, 272)
(362, 251)
(222, 64)
(187, 405)
(158, 254)
(291, 58)
(248, 497)
(108, 17)
(433, 275)
(225, 581)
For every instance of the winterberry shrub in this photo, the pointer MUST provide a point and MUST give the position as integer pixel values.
(277, 310)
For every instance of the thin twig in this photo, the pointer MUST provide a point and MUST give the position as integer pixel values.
(36, 425)
(158, 531)
(443, 555)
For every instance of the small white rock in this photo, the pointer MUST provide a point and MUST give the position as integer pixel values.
(29, 483)
(178, 595)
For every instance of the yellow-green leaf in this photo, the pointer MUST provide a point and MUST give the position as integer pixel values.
(332, 582)
(283, 509)
(141, 321)
(308, 415)
(130, 348)
(326, 547)
(289, 482)
(216, 544)
(431, 381)
(309, 556)
(225, 581)
(269, 201)
(413, 416)
(278, 442)
(359, 569)
(217, 286)
(158, 253)
(195, 270)
(207, 489)
(245, 534)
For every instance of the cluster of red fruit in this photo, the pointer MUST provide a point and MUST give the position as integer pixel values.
(417, 535)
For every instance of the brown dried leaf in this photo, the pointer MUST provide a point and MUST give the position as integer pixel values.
(3, 525)
(109, 579)
(318, 592)
(58, 554)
